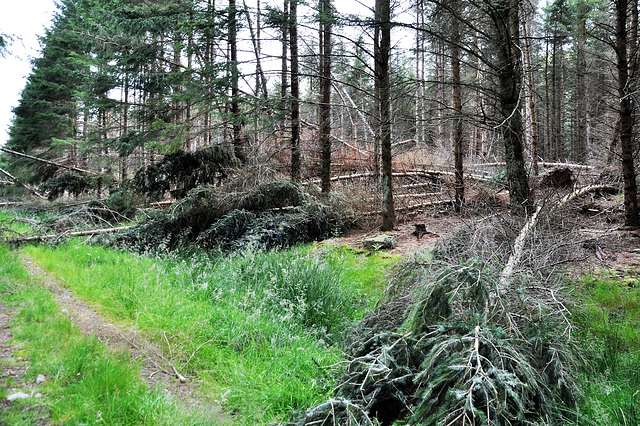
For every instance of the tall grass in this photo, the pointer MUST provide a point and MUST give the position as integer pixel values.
(259, 331)
(86, 383)
(609, 321)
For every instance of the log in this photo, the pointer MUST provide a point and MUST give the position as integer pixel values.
(411, 207)
(570, 165)
(67, 234)
(529, 226)
(411, 173)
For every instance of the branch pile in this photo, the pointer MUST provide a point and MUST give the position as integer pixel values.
(478, 345)
(271, 215)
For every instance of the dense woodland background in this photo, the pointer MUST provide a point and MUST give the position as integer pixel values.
(311, 93)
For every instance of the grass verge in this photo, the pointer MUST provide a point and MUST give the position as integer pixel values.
(86, 383)
(609, 322)
(258, 332)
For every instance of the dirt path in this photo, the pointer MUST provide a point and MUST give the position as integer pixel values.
(156, 369)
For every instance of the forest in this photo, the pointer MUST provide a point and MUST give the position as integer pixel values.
(324, 213)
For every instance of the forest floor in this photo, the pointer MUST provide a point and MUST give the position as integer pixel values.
(599, 225)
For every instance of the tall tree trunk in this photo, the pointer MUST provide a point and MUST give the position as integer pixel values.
(261, 81)
(295, 93)
(376, 91)
(509, 68)
(530, 95)
(420, 74)
(458, 150)
(209, 55)
(579, 148)
(326, 18)
(383, 20)
(547, 119)
(236, 119)
(284, 71)
(626, 115)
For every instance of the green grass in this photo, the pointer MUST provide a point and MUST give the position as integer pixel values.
(259, 331)
(11, 224)
(86, 382)
(609, 325)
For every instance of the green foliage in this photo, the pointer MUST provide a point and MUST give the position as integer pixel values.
(257, 329)
(123, 202)
(85, 381)
(71, 183)
(464, 356)
(271, 215)
(179, 173)
(47, 107)
(608, 325)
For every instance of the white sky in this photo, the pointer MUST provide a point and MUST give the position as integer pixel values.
(24, 20)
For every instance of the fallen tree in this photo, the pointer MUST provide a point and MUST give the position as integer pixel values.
(91, 232)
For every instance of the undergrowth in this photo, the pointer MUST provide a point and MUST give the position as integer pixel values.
(464, 352)
(609, 324)
(261, 331)
(85, 383)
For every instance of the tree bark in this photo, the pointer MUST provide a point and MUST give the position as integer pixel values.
(383, 20)
(579, 148)
(458, 150)
(625, 112)
(326, 18)
(236, 119)
(295, 93)
(530, 96)
(504, 15)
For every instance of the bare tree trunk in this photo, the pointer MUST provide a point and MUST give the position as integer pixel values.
(580, 144)
(295, 93)
(530, 95)
(261, 81)
(236, 119)
(505, 18)
(376, 89)
(420, 74)
(326, 18)
(458, 150)
(626, 115)
(547, 145)
(383, 20)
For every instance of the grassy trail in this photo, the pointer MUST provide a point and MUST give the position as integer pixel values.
(238, 340)
(155, 368)
(62, 362)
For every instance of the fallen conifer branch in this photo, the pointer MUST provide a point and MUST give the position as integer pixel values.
(16, 180)
(52, 163)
